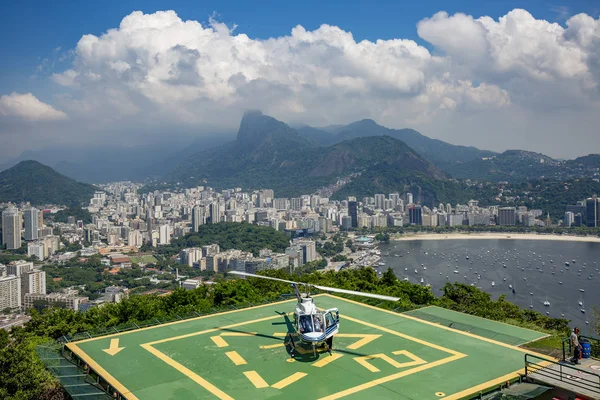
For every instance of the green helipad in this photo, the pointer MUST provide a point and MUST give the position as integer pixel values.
(242, 355)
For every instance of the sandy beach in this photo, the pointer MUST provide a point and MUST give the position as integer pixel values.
(486, 235)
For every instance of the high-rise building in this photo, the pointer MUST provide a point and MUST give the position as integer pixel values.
(507, 216)
(30, 215)
(569, 219)
(164, 234)
(296, 204)
(281, 204)
(215, 213)
(353, 212)
(18, 268)
(409, 198)
(33, 282)
(37, 249)
(11, 228)
(10, 292)
(592, 212)
(197, 217)
(395, 198)
(379, 200)
(135, 238)
(415, 215)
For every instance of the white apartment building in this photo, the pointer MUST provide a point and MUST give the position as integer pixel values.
(10, 292)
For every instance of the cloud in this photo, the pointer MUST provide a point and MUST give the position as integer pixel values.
(159, 70)
(28, 107)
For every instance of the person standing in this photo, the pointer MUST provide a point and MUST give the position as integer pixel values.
(574, 339)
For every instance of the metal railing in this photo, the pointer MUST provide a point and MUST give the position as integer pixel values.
(552, 372)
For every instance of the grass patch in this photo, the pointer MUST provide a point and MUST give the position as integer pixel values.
(145, 259)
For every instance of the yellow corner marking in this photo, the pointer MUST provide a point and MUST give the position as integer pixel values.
(366, 338)
(256, 379)
(472, 335)
(101, 371)
(416, 360)
(289, 380)
(113, 348)
(189, 373)
(364, 361)
(392, 377)
(402, 335)
(236, 358)
(219, 341)
(191, 319)
(326, 360)
(272, 346)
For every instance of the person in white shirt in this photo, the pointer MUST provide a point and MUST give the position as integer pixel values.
(574, 339)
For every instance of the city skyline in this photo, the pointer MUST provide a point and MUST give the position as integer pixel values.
(516, 75)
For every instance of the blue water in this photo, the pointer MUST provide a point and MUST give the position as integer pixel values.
(532, 266)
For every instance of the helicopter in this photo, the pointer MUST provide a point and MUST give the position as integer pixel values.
(313, 326)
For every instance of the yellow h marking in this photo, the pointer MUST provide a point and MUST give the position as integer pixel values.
(289, 380)
(256, 379)
(366, 338)
(236, 358)
(326, 360)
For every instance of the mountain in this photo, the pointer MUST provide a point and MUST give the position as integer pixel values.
(438, 152)
(39, 184)
(268, 153)
(101, 164)
(511, 166)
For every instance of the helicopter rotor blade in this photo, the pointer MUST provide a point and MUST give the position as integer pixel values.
(260, 276)
(324, 288)
(345, 291)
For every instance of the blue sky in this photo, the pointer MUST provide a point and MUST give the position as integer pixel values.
(498, 74)
(31, 31)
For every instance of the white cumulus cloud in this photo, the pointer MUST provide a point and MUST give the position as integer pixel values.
(159, 70)
(28, 107)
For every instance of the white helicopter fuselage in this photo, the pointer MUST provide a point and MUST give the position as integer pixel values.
(313, 325)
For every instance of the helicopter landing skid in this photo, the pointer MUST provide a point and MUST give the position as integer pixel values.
(292, 346)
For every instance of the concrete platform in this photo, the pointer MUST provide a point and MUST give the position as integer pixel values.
(582, 379)
(242, 354)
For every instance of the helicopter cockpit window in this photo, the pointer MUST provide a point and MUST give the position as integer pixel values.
(318, 319)
(305, 324)
(329, 319)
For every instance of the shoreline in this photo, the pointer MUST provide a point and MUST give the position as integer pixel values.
(494, 236)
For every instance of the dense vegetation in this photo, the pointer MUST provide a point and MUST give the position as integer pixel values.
(230, 235)
(22, 377)
(30, 181)
(77, 212)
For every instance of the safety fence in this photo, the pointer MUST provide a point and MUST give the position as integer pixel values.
(562, 374)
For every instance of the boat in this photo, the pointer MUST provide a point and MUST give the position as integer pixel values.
(560, 283)
(566, 263)
(510, 286)
(406, 269)
(381, 264)
(581, 290)
(416, 272)
(422, 280)
(546, 302)
(493, 283)
(456, 271)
